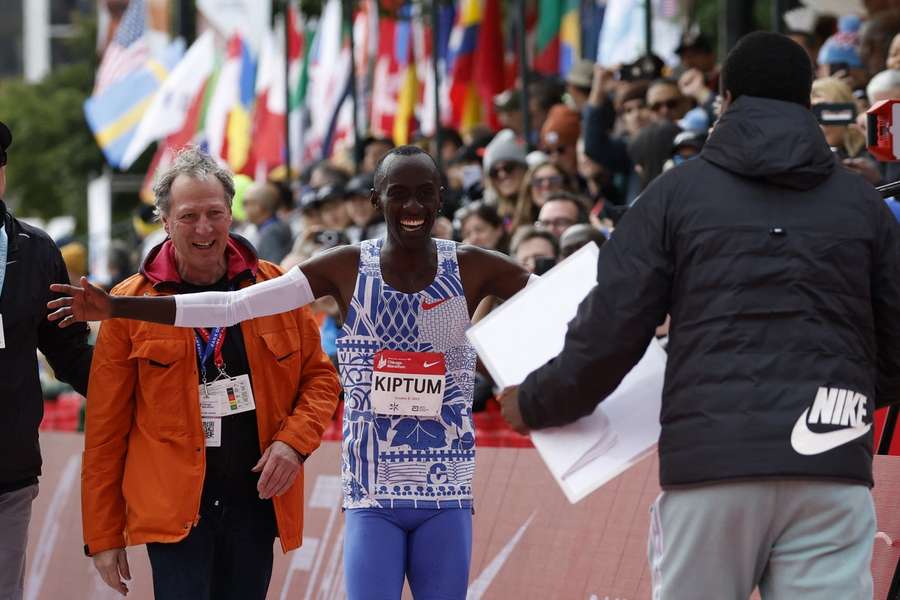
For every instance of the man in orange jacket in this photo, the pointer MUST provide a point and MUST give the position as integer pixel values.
(195, 439)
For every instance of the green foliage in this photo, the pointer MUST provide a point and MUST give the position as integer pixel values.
(53, 154)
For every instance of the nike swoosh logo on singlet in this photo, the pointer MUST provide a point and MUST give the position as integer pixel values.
(430, 305)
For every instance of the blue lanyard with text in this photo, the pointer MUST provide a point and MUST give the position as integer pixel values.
(209, 344)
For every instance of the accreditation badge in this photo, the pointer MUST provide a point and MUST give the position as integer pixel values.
(226, 396)
(408, 383)
(212, 432)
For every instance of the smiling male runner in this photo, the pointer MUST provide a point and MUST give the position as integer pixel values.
(407, 369)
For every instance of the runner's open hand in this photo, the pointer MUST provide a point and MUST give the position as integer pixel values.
(85, 303)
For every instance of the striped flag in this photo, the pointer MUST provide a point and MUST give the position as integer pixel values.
(464, 100)
(128, 51)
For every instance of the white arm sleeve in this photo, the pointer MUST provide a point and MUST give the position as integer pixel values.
(224, 309)
(532, 279)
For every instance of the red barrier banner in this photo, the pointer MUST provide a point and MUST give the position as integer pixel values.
(529, 542)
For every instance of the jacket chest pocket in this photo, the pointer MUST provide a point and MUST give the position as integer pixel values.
(162, 369)
(281, 357)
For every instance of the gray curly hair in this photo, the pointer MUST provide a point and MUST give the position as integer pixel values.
(196, 164)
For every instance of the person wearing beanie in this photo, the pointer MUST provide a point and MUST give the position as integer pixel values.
(840, 56)
(780, 270)
(29, 263)
(559, 135)
(504, 168)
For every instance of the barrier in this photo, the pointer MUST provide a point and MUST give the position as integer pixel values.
(529, 542)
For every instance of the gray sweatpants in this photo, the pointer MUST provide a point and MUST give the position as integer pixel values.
(795, 539)
(15, 513)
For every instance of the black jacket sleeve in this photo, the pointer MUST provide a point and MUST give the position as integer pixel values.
(886, 304)
(611, 152)
(66, 349)
(614, 323)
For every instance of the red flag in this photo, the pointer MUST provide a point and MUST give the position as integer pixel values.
(489, 72)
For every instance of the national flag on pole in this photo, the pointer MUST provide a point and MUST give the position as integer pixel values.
(227, 118)
(569, 35)
(298, 115)
(238, 130)
(114, 114)
(546, 58)
(328, 84)
(128, 51)
(466, 105)
(270, 108)
(404, 121)
(489, 68)
(169, 109)
(622, 37)
(446, 18)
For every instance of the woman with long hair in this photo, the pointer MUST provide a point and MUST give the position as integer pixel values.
(541, 180)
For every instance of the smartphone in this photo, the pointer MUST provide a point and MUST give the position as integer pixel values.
(842, 113)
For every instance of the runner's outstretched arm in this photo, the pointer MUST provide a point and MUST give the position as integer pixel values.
(297, 287)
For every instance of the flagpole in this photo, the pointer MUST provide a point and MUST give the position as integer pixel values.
(648, 26)
(523, 75)
(354, 97)
(435, 42)
(287, 91)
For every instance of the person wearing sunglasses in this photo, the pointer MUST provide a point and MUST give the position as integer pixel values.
(665, 101)
(540, 182)
(504, 169)
(559, 135)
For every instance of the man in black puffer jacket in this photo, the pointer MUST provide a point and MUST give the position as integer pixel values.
(781, 272)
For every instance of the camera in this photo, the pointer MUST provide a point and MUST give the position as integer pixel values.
(647, 67)
(835, 113)
(329, 238)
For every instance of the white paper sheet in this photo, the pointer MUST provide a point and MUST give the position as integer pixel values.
(527, 331)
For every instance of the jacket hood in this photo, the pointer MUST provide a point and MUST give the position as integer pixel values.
(773, 140)
(159, 266)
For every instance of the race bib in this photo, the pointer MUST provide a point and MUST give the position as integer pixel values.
(226, 397)
(408, 383)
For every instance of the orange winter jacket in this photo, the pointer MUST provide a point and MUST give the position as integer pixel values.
(144, 460)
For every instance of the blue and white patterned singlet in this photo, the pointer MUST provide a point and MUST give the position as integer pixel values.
(404, 461)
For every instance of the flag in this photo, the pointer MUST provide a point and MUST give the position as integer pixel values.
(386, 80)
(429, 121)
(238, 131)
(298, 115)
(464, 100)
(329, 79)
(489, 66)
(409, 86)
(114, 114)
(270, 108)
(569, 35)
(169, 109)
(227, 123)
(546, 59)
(128, 51)
(622, 37)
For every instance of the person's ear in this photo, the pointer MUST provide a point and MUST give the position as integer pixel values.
(373, 198)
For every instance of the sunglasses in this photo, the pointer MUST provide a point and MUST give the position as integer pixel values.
(671, 104)
(504, 169)
(549, 181)
(551, 150)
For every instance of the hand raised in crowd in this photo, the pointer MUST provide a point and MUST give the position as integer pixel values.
(865, 167)
(85, 303)
(509, 408)
(113, 568)
(602, 84)
(692, 84)
(280, 464)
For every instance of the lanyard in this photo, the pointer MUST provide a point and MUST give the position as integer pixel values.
(210, 344)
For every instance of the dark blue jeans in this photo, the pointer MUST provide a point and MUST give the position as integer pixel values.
(228, 555)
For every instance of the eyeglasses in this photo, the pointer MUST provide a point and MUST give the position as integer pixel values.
(551, 150)
(671, 104)
(557, 223)
(551, 181)
(504, 169)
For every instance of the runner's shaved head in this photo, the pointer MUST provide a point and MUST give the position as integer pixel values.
(381, 169)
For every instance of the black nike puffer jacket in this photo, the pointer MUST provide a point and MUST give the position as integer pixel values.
(781, 271)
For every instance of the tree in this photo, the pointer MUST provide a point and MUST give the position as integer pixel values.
(53, 154)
